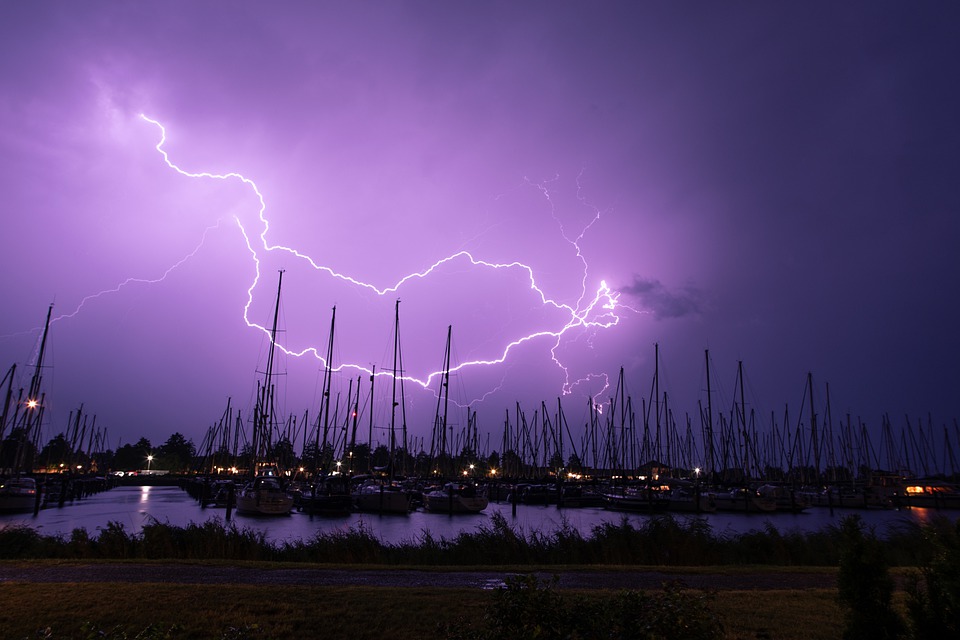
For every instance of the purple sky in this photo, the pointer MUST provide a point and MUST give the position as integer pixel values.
(776, 183)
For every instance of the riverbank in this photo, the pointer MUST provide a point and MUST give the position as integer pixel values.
(654, 541)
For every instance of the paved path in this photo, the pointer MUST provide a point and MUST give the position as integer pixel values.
(571, 579)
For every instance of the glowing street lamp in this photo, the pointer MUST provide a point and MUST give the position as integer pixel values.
(149, 460)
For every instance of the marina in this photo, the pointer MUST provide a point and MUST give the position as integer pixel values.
(134, 506)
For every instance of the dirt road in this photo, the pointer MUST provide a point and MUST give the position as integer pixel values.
(567, 579)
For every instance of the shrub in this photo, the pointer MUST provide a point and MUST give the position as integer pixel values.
(933, 598)
(18, 541)
(526, 607)
(865, 586)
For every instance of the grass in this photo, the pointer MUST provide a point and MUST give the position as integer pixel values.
(208, 611)
(787, 615)
(358, 613)
(235, 612)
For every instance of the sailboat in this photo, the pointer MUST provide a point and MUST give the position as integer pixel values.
(452, 497)
(455, 498)
(385, 495)
(19, 493)
(264, 494)
(329, 493)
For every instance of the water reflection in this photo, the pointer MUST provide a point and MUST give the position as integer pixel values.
(133, 507)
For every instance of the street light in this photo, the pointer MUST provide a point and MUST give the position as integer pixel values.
(149, 460)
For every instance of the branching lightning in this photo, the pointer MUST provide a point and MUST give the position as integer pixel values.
(130, 281)
(592, 311)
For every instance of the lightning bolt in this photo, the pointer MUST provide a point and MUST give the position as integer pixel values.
(597, 310)
(130, 281)
(592, 311)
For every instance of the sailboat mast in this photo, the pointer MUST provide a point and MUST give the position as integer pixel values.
(712, 453)
(261, 419)
(34, 404)
(6, 400)
(393, 403)
(373, 377)
(656, 395)
(353, 431)
(325, 398)
(446, 394)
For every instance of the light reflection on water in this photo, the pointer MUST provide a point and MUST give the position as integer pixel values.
(133, 507)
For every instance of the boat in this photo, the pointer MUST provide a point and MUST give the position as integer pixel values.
(534, 494)
(787, 500)
(454, 498)
(847, 497)
(685, 497)
(377, 496)
(576, 496)
(637, 500)
(18, 495)
(744, 500)
(27, 416)
(218, 493)
(384, 494)
(264, 496)
(329, 495)
(930, 493)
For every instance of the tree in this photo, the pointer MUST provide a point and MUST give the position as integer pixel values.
(176, 454)
(556, 461)
(282, 453)
(865, 586)
(512, 464)
(381, 456)
(131, 457)
(359, 461)
(56, 452)
(16, 452)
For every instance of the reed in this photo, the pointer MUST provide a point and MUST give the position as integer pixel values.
(659, 540)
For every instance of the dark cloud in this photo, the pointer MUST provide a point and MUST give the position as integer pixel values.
(663, 302)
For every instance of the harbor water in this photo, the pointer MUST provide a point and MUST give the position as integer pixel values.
(135, 506)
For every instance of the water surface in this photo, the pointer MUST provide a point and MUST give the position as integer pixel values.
(134, 506)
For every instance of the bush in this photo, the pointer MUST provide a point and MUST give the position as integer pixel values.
(933, 597)
(865, 586)
(19, 541)
(526, 607)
